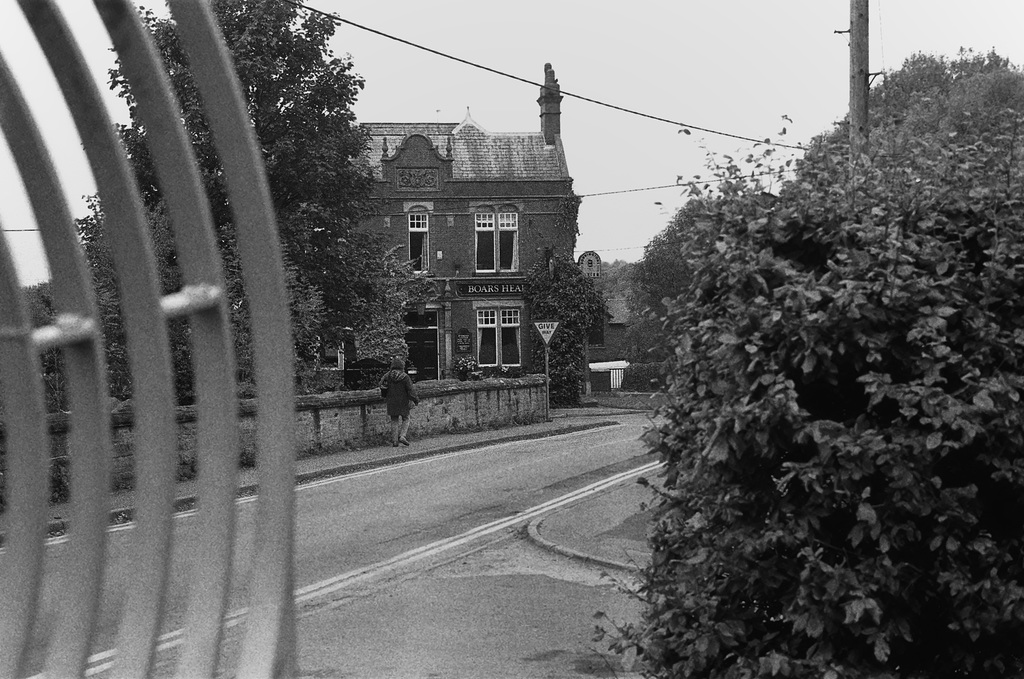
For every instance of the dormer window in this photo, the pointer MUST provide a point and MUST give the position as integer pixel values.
(497, 241)
(419, 231)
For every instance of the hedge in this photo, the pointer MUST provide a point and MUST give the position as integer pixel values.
(844, 444)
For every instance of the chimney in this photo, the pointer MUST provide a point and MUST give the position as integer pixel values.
(550, 109)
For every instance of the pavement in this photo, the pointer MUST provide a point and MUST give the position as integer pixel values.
(522, 606)
(609, 532)
(607, 529)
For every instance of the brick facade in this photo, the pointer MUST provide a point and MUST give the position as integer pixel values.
(475, 211)
(614, 344)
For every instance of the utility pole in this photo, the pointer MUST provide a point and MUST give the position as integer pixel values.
(858, 78)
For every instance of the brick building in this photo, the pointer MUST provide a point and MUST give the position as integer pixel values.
(474, 211)
(612, 342)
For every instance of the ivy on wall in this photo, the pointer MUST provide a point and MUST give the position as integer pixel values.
(562, 293)
(567, 219)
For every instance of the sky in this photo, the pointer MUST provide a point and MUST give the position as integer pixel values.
(742, 67)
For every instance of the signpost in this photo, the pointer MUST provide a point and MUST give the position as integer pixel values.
(547, 330)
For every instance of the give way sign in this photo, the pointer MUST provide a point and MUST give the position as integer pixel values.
(546, 330)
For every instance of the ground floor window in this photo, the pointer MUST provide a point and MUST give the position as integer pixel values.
(498, 337)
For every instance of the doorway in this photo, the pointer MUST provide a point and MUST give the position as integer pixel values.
(422, 340)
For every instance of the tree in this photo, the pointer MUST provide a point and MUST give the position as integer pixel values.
(561, 292)
(931, 94)
(844, 489)
(300, 101)
(669, 262)
(383, 335)
(100, 258)
(941, 104)
(615, 281)
(41, 312)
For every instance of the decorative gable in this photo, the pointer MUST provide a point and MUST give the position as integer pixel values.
(416, 165)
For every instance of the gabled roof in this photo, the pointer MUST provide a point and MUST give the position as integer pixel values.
(476, 153)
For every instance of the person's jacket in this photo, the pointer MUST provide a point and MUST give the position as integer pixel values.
(398, 391)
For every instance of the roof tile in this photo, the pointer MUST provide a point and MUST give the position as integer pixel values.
(477, 153)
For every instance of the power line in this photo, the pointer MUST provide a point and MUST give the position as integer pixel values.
(686, 126)
(645, 188)
(683, 185)
(631, 247)
(678, 185)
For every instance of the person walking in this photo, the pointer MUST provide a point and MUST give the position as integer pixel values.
(399, 393)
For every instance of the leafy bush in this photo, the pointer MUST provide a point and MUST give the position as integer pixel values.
(844, 493)
(318, 380)
(642, 377)
(369, 378)
(503, 371)
(464, 367)
(564, 294)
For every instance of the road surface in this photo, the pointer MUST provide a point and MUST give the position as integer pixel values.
(370, 532)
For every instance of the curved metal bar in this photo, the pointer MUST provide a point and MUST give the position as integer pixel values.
(203, 298)
(269, 646)
(155, 433)
(28, 457)
(76, 330)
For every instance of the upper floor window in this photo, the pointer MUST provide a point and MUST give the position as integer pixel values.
(419, 223)
(497, 241)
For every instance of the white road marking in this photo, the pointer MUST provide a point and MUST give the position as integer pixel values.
(130, 525)
(330, 585)
(447, 456)
(103, 661)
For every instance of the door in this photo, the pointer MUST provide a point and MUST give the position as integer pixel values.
(422, 340)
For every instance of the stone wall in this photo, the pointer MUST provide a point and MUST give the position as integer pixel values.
(342, 420)
(351, 419)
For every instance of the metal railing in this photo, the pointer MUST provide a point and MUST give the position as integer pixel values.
(268, 648)
(614, 377)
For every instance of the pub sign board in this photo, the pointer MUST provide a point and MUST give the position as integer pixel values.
(463, 341)
(487, 289)
(590, 264)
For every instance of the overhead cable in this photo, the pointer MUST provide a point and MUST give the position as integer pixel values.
(685, 127)
(683, 185)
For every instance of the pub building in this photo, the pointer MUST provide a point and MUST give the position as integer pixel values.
(473, 211)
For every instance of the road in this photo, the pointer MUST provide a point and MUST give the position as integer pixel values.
(359, 533)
